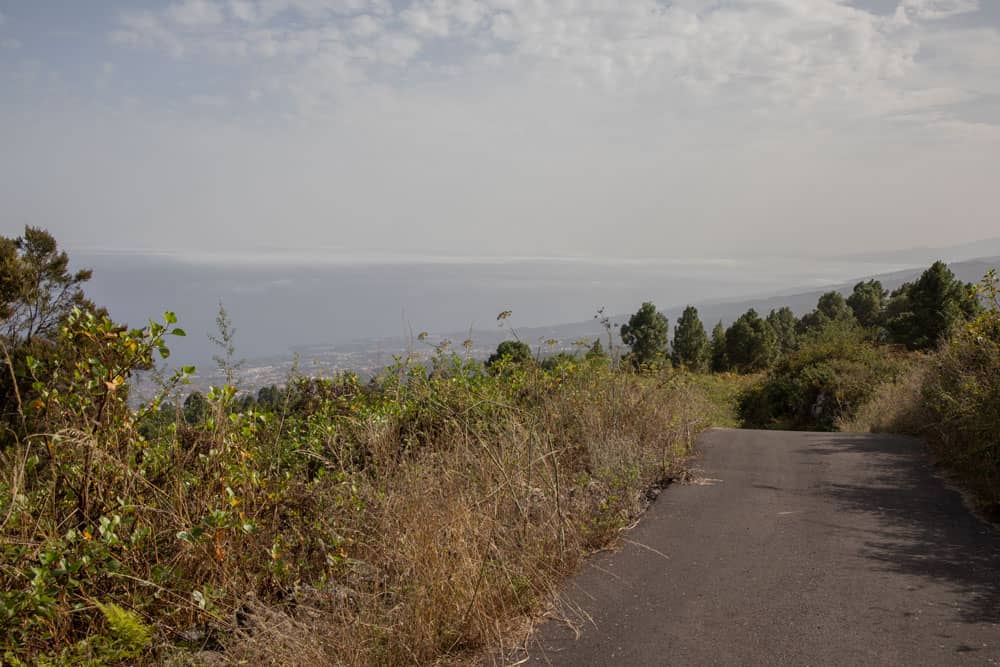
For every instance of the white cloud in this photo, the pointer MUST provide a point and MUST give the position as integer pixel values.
(243, 10)
(195, 13)
(365, 26)
(435, 122)
(396, 48)
(265, 10)
(441, 18)
(768, 56)
(147, 30)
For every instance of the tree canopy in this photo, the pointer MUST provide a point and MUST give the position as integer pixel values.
(719, 361)
(647, 335)
(38, 294)
(831, 307)
(921, 313)
(751, 343)
(867, 302)
(512, 351)
(784, 323)
(691, 347)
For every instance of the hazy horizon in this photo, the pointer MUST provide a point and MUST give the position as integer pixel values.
(276, 306)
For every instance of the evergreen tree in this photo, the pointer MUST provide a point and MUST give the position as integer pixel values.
(647, 335)
(720, 363)
(867, 302)
(784, 323)
(922, 313)
(751, 343)
(514, 351)
(596, 351)
(195, 408)
(691, 348)
(831, 307)
(37, 289)
(38, 294)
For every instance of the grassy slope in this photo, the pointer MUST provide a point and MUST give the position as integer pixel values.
(410, 522)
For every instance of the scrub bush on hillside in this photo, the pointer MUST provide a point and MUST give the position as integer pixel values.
(832, 374)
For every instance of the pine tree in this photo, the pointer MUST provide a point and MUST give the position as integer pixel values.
(784, 323)
(691, 347)
(831, 307)
(922, 313)
(720, 363)
(596, 350)
(751, 343)
(867, 302)
(647, 335)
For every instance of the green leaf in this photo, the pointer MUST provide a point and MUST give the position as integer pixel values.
(189, 370)
(178, 332)
(170, 317)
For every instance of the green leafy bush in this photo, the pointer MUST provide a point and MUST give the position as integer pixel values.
(961, 397)
(830, 376)
(336, 522)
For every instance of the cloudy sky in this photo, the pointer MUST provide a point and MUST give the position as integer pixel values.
(587, 128)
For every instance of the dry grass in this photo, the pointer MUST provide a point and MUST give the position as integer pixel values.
(418, 521)
(471, 537)
(895, 407)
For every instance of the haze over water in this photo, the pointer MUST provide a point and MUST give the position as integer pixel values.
(281, 300)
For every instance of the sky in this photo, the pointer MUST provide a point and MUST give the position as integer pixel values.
(365, 129)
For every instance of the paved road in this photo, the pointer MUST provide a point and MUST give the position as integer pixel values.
(809, 549)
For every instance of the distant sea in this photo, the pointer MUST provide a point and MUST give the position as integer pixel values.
(279, 301)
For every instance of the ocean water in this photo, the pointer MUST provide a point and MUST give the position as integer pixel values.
(278, 301)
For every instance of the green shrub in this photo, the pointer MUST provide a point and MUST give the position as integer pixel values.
(961, 397)
(831, 375)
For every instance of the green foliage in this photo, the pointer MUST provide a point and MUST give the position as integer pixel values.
(921, 314)
(596, 351)
(647, 336)
(751, 343)
(830, 376)
(785, 326)
(128, 635)
(867, 302)
(173, 517)
(195, 408)
(37, 290)
(961, 399)
(509, 352)
(719, 361)
(831, 307)
(38, 293)
(691, 347)
(555, 361)
(69, 490)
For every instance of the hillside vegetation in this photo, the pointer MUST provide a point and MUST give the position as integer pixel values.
(415, 518)
(951, 397)
(423, 516)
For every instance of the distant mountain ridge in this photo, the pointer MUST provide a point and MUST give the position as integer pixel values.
(800, 302)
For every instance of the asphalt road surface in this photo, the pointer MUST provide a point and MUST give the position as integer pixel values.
(793, 549)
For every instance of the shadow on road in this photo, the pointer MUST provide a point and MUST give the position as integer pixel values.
(927, 532)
